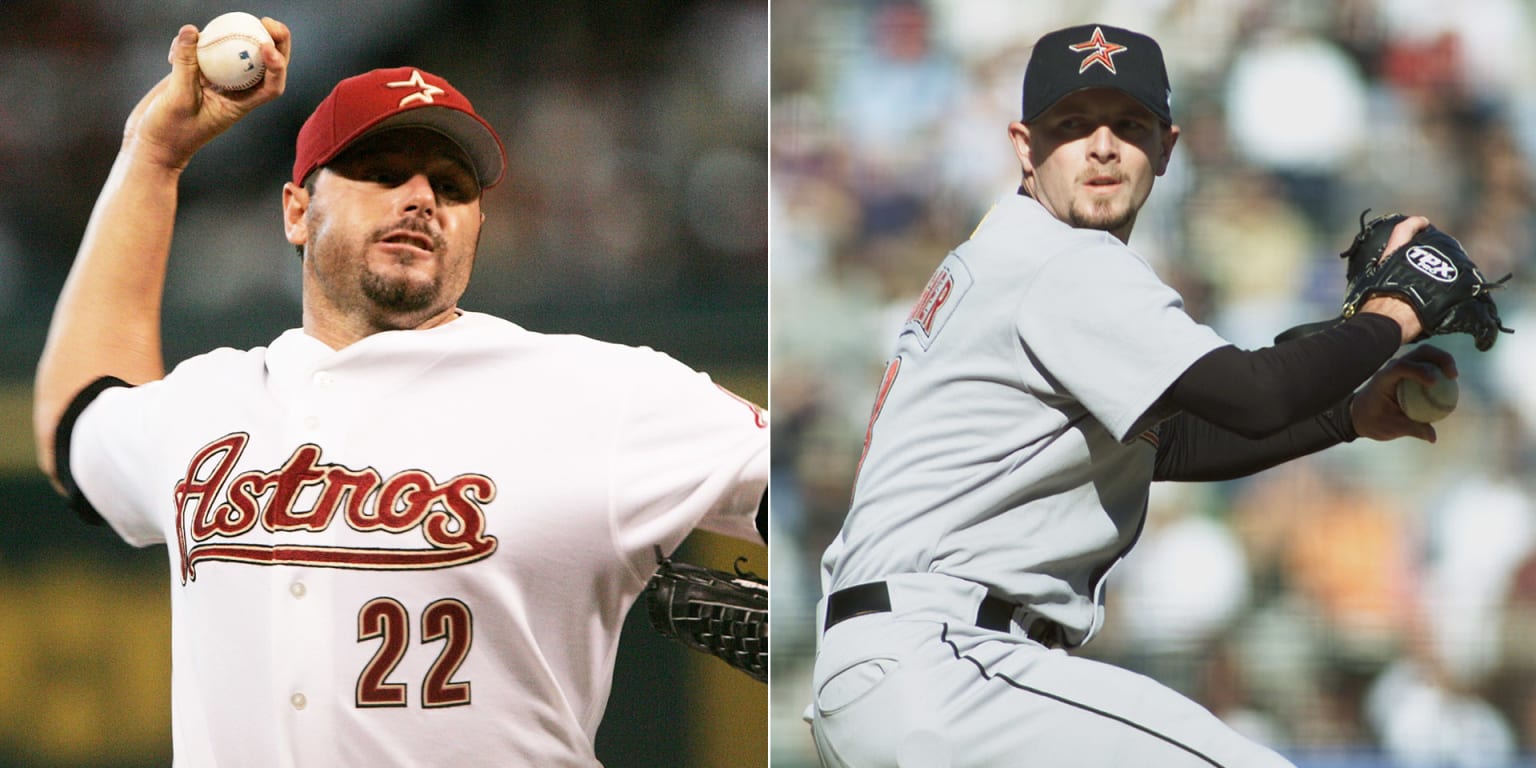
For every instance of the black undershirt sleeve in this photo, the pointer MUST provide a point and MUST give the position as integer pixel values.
(1193, 449)
(1242, 411)
(762, 517)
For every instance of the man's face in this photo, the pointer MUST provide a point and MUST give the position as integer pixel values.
(390, 230)
(1090, 159)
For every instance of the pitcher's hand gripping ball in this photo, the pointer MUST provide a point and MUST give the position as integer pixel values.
(1431, 403)
(1432, 273)
(721, 614)
(229, 51)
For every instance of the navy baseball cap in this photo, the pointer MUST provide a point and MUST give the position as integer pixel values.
(1096, 56)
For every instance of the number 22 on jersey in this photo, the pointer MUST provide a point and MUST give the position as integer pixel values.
(386, 619)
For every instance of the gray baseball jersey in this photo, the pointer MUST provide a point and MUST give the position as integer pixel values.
(1007, 464)
(1009, 444)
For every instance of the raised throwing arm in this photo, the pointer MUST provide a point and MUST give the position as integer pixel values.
(107, 320)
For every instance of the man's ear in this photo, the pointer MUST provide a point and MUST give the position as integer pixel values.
(1170, 137)
(1018, 133)
(295, 205)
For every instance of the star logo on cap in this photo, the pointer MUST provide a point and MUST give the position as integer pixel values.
(424, 95)
(1103, 52)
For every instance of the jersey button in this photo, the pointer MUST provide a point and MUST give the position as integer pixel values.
(297, 589)
(298, 701)
(324, 379)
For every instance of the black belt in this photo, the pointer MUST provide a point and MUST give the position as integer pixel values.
(994, 613)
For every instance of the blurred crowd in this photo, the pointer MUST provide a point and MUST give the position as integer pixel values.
(636, 136)
(1372, 605)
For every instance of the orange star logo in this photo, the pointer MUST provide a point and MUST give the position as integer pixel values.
(1103, 52)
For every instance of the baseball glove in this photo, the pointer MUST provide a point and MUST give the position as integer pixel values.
(721, 614)
(1432, 273)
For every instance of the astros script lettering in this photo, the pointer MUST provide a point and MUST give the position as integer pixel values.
(209, 504)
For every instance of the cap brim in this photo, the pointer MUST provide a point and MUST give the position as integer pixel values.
(472, 135)
(1155, 109)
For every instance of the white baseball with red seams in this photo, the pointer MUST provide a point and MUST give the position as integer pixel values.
(229, 51)
(1427, 404)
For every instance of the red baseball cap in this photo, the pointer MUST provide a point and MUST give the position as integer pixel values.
(397, 98)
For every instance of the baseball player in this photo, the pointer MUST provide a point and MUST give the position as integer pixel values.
(403, 533)
(1043, 379)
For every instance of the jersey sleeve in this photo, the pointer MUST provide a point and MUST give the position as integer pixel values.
(106, 459)
(1101, 323)
(688, 454)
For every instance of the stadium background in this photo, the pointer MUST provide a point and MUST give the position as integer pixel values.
(1370, 606)
(634, 210)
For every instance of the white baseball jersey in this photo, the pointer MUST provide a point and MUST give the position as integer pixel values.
(417, 550)
(1005, 447)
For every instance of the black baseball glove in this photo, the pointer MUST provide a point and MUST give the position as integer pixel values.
(1432, 273)
(721, 614)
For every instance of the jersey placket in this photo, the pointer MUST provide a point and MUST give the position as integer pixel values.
(307, 684)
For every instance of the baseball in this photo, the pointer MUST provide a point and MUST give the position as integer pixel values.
(229, 51)
(1428, 404)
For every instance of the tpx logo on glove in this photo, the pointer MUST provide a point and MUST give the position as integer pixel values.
(1431, 262)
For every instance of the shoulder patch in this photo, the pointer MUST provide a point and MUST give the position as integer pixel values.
(939, 298)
